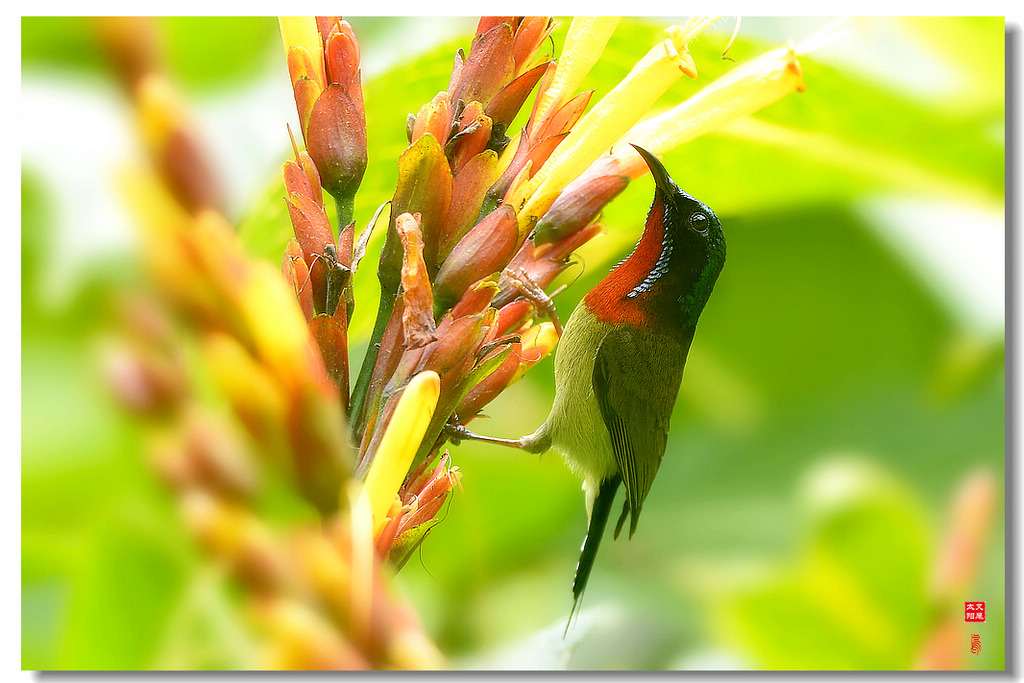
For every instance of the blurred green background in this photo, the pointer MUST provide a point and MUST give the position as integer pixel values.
(847, 376)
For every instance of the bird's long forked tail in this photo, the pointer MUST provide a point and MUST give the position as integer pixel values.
(598, 521)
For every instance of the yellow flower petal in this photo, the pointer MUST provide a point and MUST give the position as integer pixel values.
(302, 32)
(584, 43)
(610, 118)
(400, 442)
(743, 91)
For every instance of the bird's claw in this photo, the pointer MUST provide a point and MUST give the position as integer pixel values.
(455, 432)
(536, 295)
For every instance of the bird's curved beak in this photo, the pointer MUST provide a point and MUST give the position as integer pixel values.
(661, 178)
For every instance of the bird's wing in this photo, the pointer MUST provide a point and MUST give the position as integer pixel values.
(636, 405)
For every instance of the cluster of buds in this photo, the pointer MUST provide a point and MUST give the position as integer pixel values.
(315, 589)
(323, 61)
(481, 225)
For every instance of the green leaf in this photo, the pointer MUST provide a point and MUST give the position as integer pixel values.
(855, 596)
(65, 42)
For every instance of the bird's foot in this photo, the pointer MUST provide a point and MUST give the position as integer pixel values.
(536, 295)
(456, 432)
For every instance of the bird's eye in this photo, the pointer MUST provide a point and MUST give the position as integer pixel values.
(699, 222)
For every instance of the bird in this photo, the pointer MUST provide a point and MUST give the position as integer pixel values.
(619, 364)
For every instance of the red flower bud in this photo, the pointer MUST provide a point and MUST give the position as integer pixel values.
(579, 203)
(485, 249)
(488, 67)
(492, 385)
(435, 117)
(469, 188)
(336, 140)
(530, 33)
(504, 106)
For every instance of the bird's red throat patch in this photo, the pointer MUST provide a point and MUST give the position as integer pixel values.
(620, 299)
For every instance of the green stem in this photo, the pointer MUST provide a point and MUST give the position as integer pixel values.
(356, 415)
(345, 205)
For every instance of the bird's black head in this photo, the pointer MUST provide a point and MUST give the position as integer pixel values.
(698, 245)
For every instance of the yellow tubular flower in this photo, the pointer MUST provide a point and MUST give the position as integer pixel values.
(302, 32)
(743, 91)
(584, 44)
(610, 118)
(695, 26)
(399, 445)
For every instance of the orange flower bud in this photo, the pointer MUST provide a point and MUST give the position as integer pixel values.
(296, 181)
(488, 67)
(579, 203)
(218, 461)
(530, 34)
(456, 341)
(306, 84)
(435, 117)
(257, 398)
(330, 336)
(512, 316)
(476, 299)
(301, 33)
(296, 274)
(336, 140)
(566, 116)
(527, 155)
(313, 231)
(504, 106)
(485, 249)
(143, 380)
(341, 55)
(471, 139)
(469, 188)
(133, 44)
(487, 23)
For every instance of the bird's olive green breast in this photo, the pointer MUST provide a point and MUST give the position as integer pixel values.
(649, 375)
